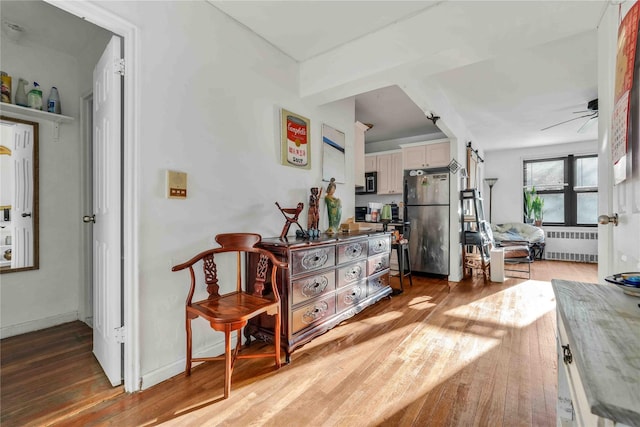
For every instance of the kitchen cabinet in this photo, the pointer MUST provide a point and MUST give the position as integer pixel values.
(390, 173)
(330, 278)
(426, 156)
(359, 160)
(598, 346)
(371, 163)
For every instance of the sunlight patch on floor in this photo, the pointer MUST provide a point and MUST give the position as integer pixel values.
(528, 301)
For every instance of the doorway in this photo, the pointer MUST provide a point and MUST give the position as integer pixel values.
(128, 33)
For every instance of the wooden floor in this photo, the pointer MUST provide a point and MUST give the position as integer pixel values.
(482, 354)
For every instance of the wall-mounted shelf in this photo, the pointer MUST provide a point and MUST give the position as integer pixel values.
(56, 119)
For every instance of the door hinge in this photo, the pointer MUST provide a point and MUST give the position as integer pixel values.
(119, 67)
(120, 334)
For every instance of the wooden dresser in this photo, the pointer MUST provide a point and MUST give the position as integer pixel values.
(598, 355)
(330, 279)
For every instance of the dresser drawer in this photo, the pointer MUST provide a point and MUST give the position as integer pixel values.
(312, 259)
(351, 295)
(352, 273)
(380, 245)
(376, 283)
(352, 251)
(377, 263)
(312, 286)
(313, 313)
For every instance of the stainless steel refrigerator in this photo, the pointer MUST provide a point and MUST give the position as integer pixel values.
(426, 199)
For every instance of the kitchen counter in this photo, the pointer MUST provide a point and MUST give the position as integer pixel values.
(602, 327)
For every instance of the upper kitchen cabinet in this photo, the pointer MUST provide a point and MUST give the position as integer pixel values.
(358, 146)
(389, 167)
(371, 163)
(426, 155)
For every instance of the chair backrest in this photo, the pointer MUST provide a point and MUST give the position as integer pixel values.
(242, 244)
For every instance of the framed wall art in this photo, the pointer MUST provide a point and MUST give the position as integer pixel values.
(295, 141)
(333, 163)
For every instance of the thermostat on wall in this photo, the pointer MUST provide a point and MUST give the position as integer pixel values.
(176, 185)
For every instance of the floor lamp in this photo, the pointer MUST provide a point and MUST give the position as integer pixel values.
(491, 182)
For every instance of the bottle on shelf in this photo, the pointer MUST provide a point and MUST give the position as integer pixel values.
(53, 103)
(21, 93)
(34, 97)
(6, 87)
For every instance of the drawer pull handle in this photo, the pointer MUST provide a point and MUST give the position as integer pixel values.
(353, 251)
(315, 259)
(354, 274)
(314, 313)
(566, 354)
(315, 286)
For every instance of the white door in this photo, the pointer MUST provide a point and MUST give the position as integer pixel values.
(619, 251)
(107, 269)
(626, 195)
(22, 220)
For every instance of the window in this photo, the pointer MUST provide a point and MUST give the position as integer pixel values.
(568, 186)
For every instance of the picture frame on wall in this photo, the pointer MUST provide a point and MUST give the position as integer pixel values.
(295, 140)
(333, 157)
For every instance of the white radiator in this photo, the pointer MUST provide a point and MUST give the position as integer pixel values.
(579, 244)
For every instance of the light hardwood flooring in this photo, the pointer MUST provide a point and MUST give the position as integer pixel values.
(481, 354)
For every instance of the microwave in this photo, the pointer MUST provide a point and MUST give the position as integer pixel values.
(370, 183)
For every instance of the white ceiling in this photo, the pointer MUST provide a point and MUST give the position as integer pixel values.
(504, 69)
(48, 26)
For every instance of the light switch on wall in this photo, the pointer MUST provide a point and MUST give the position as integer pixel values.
(176, 185)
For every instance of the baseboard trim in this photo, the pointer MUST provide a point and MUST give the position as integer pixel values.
(162, 374)
(36, 325)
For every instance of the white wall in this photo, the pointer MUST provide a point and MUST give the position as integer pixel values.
(34, 299)
(211, 93)
(506, 165)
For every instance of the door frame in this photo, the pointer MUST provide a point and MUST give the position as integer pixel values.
(130, 167)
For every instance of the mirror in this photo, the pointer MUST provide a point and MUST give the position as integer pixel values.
(18, 195)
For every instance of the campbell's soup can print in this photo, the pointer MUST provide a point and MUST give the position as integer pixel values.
(297, 134)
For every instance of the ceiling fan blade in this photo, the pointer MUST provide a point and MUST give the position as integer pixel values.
(587, 125)
(567, 121)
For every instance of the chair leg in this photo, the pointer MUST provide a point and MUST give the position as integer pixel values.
(227, 361)
(276, 339)
(400, 265)
(406, 253)
(187, 370)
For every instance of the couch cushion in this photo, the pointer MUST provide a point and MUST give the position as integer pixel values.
(514, 231)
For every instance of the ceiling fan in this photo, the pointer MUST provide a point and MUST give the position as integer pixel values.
(591, 114)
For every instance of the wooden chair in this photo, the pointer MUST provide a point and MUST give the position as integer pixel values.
(231, 311)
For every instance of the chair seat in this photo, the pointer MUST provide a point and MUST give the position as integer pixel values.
(516, 251)
(231, 308)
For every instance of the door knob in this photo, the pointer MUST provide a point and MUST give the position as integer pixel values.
(89, 218)
(606, 219)
(24, 215)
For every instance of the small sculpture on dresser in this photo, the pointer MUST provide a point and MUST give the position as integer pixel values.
(291, 215)
(334, 208)
(313, 217)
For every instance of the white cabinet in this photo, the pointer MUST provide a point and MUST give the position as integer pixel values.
(426, 156)
(597, 345)
(359, 160)
(389, 173)
(371, 163)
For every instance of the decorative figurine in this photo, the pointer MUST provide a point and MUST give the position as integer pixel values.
(293, 219)
(313, 217)
(334, 208)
